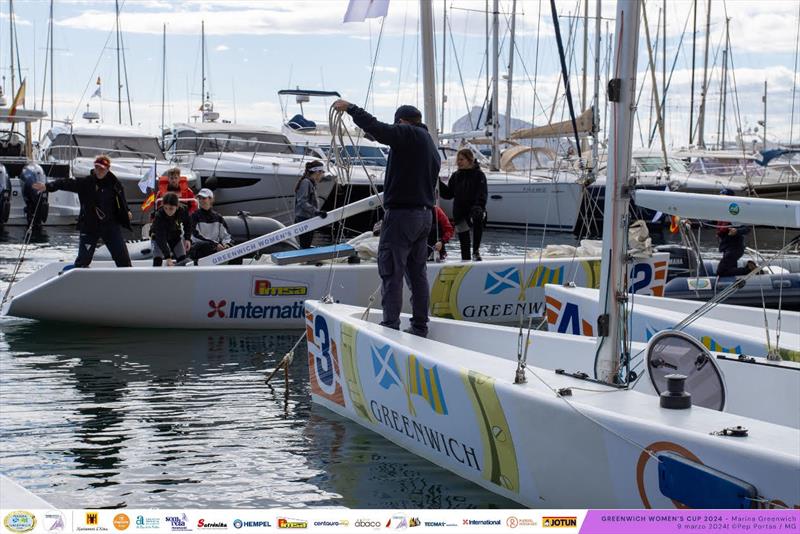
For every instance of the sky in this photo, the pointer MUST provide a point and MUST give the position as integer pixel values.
(255, 48)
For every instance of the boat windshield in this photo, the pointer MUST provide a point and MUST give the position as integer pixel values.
(370, 155)
(656, 163)
(726, 166)
(89, 146)
(249, 142)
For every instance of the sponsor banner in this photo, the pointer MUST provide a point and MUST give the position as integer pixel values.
(670, 521)
(344, 520)
(495, 291)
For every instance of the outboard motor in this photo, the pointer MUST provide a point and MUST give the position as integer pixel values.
(5, 195)
(36, 203)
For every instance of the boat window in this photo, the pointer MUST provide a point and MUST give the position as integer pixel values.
(60, 148)
(89, 146)
(370, 155)
(249, 142)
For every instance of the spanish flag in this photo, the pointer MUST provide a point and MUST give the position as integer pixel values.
(19, 99)
(149, 201)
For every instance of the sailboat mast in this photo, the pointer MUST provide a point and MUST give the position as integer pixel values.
(444, 58)
(691, 91)
(119, 70)
(428, 73)
(163, 77)
(11, 48)
(509, 90)
(764, 99)
(596, 97)
(495, 162)
(613, 283)
(585, 52)
(202, 70)
(52, 60)
(704, 90)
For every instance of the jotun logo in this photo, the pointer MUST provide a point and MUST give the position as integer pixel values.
(560, 522)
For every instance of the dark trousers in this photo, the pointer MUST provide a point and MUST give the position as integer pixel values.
(112, 237)
(727, 265)
(304, 240)
(201, 250)
(402, 254)
(466, 247)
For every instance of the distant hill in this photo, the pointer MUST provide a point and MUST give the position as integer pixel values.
(464, 123)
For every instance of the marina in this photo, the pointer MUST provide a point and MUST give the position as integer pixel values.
(282, 304)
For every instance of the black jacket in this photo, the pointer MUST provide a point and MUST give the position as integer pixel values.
(413, 165)
(468, 190)
(87, 189)
(166, 230)
(731, 245)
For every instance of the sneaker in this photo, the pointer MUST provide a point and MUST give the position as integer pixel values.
(413, 332)
(476, 256)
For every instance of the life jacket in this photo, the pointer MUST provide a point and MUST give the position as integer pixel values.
(186, 196)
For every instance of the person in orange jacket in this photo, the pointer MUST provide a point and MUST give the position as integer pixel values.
(180, 188)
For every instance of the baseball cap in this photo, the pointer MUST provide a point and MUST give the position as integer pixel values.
(102, 161)
(205, 193)
(727, 191)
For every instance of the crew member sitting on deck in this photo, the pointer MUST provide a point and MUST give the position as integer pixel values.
(210, 233)
(171, 232)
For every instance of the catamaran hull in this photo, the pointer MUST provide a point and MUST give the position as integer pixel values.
(271, 296)
(460, 409)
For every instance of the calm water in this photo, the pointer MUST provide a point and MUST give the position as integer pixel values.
(119, 417)
(149, 418)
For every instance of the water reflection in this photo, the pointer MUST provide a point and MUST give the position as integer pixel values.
(158, 418)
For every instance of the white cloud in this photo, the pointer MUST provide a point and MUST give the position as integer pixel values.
(221, 48)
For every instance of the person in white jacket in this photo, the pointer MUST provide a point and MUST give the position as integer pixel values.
(210, 233)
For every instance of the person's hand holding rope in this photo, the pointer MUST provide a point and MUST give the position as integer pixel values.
(341, 105)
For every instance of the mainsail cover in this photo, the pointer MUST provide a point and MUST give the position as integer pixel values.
(557, 129)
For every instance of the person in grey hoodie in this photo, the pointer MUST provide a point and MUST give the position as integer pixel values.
(306, 204)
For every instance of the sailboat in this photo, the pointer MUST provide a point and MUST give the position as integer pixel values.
(553, 420)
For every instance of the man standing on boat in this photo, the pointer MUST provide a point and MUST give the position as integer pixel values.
(104, 212)
(731, 244)
(408, 198)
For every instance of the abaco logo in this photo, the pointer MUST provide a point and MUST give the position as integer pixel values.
(217, 308)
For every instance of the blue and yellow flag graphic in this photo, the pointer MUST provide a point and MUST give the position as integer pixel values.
(425, 383)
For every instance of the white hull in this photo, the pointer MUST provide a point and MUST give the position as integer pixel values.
(451, 399)
(725, 328)
(261, 296)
